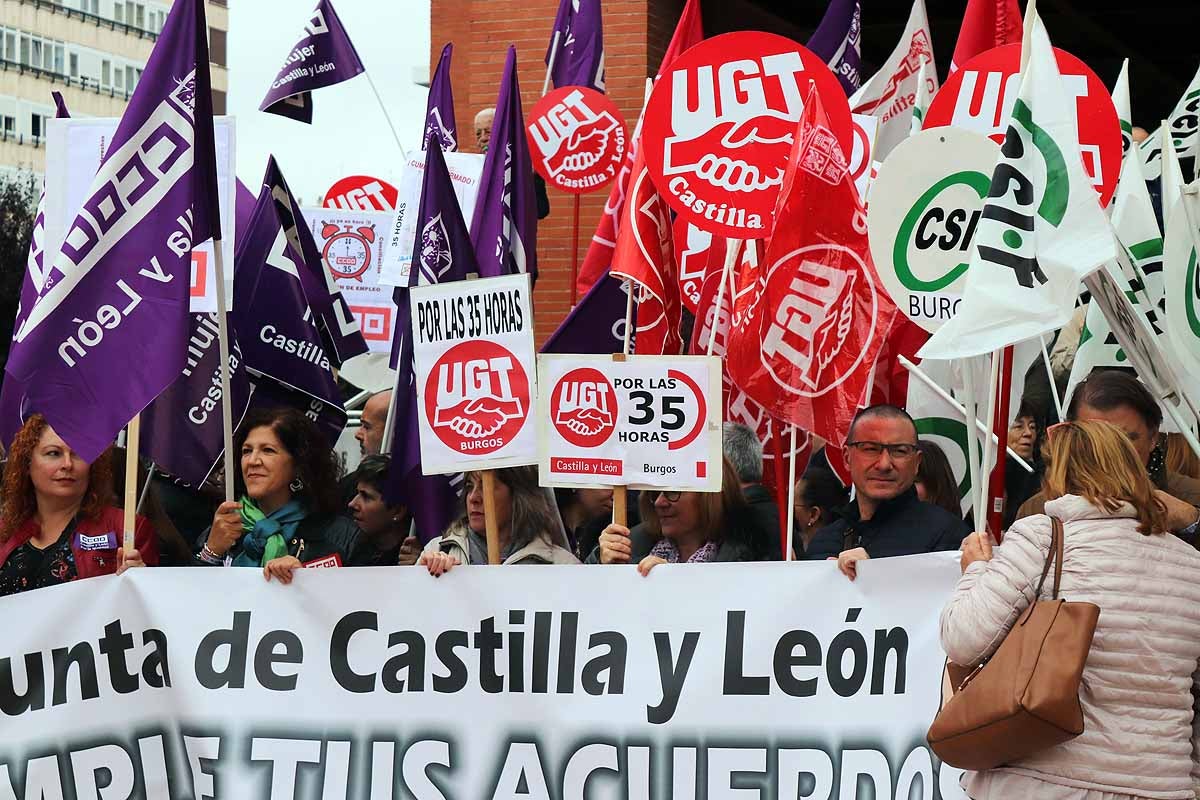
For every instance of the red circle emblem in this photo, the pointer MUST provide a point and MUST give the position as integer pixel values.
(979, 97)
(720, 122)
(362, 193)
(577, 139)
(477, 397)
(583, 407)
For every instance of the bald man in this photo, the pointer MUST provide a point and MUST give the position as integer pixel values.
(374, 416)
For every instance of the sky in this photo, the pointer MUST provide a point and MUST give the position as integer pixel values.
(349, 134)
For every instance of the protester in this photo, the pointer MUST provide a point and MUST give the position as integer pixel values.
(688, 527)
(386, 537)
(818, 495)
(1118, 397)
(1137, 683)
(935, 479)
(288, 489)
(1023, 433)
(1181, 458)
(744, 452)
(886, 518)
(370, 429)
(584, 513)
(527, 528)
(56, 522)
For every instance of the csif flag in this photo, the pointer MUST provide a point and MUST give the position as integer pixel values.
(110, 334)
(1120, 98)
(1183, 129)
(986, 24)
(575, 56)
(806, 334)
(439, 108)
(837, 42)
(504, 228)
(323, 56)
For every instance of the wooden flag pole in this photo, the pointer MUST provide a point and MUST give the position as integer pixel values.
(132, 441)
(489, 516)
(223, 349)
(791, 509)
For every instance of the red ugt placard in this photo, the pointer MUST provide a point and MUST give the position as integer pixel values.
(577, 139)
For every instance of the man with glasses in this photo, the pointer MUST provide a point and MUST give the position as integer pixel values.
(886, 518)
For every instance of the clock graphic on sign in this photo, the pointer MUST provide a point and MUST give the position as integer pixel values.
(347, 252)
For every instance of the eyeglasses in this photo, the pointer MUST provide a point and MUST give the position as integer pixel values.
(898, 452)
(671, 497)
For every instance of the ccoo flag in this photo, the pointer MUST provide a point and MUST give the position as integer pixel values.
(1042, 229)
(803, 339)
(111, 333)
(837, 42)
(986, 24)
(439, 108)
(575, 56)
(504, 229)
(324, 56)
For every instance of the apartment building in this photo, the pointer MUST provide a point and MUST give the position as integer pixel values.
(93, 51)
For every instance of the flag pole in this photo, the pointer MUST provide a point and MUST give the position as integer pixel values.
(550, 63)
(1058, 403)
(999, 477)
(132, 441)
(621, 493)
(223, 349)
(145, 489)
(389, 422)
(791, 509)
(970, 403)
(575, 251)
(993, 424)
(386, 115)
(780, 477)
(731, 252)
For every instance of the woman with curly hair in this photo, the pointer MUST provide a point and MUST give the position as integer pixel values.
(287, 514)
(56, 523)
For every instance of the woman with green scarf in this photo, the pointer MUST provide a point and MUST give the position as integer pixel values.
(288, 503)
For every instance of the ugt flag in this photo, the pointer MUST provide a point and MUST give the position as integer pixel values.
(812, 328)
(837, 41)
(324, 56)
(439, 108)
(986, 24)
(1042, 229)
(575, 56)
(111, 333)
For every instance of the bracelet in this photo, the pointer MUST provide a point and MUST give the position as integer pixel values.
(209, 557)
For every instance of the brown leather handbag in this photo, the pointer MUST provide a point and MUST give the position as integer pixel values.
(1025, 698)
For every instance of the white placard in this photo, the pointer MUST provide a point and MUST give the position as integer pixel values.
(474, 362)
(74, 149)
(646, 421)
(465, 170)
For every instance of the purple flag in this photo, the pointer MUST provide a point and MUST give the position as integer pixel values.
(243, 207)
(323, 57)
(597, 324)
(504, 228)
(330, 417)
(836, 42)
(182, 431)
(439, 109)
(111, 333)
(579, 51)
(340, 333)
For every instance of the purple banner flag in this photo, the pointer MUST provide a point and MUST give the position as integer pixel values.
(324, 56)
(243, 207)
(329, 416)
(439, 109)
(504, 228)
(837, 42)
(597, 324)
(111, 332)
(181, 430)
(340, 333)
(575, 56)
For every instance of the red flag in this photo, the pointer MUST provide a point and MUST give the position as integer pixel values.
(645, 256)
(812, 329)
(986, 24)
(599, 255)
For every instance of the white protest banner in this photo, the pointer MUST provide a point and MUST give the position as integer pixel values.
(352, 245)
(465, 170)
(473, 360)
(74, 149)
(925, 204)
(506, 684)
(645, 421)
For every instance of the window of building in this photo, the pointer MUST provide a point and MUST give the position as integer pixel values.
(37, 54)
(119, 12)
(74, 61)
(141, 16)
(105, 72)
(218, 102)
(37, 124)
(10, 46)
(10, 125)
(216, 46)
(60, 54)
(24, 49)
(119, 81)
(130, 79)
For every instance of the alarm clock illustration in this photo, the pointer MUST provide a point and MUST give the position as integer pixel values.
(347, 252)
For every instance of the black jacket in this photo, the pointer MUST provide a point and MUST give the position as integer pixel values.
(764, 513)
(901, 526)
(317, 536)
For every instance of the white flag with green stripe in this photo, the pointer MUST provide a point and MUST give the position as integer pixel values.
(1181, 124)
(1120, 98)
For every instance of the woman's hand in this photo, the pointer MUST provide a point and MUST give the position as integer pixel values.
(848, 561)
(226, 528)
(614, 545)
(648, 563)
(126, 560)
(976, 547)
(437, 562)
(410, 550)
(281, 569)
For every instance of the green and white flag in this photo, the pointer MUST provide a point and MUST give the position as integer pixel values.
(1181, 281)
(1120, 98)
(1171, 177)
(1181, 125)
(926, 87)
(1042, 229)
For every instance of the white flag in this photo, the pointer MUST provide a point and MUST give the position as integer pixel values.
(926, 87)
(1181, 125)
(891, 93)
(1120, 98)
(1042, 229)
(1181, 282)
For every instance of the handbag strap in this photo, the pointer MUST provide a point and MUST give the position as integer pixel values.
(1053, 556)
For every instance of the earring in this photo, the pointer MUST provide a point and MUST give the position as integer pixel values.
(296, 485)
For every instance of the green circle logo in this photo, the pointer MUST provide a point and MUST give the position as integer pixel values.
(908, 230)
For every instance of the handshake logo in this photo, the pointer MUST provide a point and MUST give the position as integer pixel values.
(580, 146)
(583, 407)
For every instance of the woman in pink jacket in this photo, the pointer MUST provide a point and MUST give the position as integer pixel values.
(1137, 684)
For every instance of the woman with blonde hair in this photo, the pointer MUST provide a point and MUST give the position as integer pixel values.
(1136, 690)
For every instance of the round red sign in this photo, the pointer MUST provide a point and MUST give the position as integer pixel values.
(979, 97)
(577, 139)
(362, 193)
(583, 407)
(719, 125)
(477, 397)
